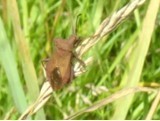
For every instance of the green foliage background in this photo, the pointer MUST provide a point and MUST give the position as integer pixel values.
(27, 30)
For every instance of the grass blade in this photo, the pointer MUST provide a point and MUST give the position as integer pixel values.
(9, 64)
(23, 48)
(110, 99)
(136, 62)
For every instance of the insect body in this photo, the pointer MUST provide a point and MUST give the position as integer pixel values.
(58, 67)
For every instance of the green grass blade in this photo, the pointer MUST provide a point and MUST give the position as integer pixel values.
(27, 65)
(9, 64)
(23, 48)
(137, 60)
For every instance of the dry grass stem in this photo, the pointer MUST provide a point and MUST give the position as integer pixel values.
(44, 96)
(154, 106)
(108, 25)
(10, 113)
(110, 99)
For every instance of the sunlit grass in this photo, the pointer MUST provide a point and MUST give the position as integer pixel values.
(28, 28)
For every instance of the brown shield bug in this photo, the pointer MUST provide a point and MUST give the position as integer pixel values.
(58, 67)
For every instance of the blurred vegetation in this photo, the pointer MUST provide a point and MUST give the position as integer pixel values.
(27, 30)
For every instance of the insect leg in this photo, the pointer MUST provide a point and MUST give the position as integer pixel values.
(78, 59)
(72, 76)
(44, 61)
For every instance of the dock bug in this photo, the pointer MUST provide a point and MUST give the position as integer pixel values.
(58, 67)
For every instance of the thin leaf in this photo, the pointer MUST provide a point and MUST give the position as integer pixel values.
(136, 61)
(9, 64)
